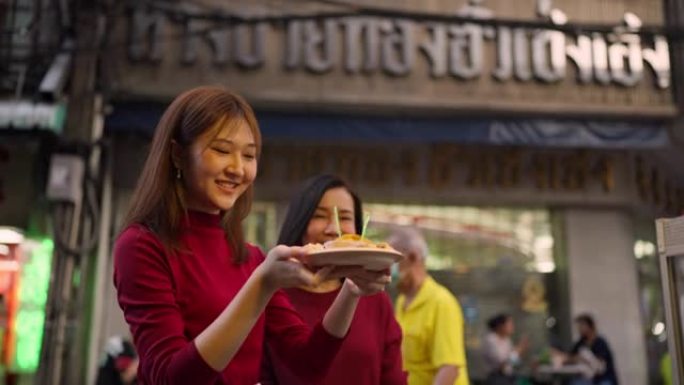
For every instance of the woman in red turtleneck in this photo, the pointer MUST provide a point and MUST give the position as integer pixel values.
(201, 302)
(371, 353)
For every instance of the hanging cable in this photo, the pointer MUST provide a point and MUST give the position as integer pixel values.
(90, 210)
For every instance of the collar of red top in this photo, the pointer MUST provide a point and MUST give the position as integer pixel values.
(202, 219)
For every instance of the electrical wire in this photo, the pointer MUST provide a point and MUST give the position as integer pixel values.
(360, 10)
(674, 34)
(90, 236)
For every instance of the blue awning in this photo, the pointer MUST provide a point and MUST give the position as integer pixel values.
(336, 128)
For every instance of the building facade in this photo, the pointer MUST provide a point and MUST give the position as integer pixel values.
(532, 141)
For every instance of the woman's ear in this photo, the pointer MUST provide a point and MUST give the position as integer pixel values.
(412, 257)
(176, 152)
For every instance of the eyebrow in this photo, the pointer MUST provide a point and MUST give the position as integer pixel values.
(345, 211)
(231, 142)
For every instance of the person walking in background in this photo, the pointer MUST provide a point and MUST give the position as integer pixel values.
(433, 346)
(371, 353)
(119, 366)
(201, 302)
(500, 356)
(593, 350)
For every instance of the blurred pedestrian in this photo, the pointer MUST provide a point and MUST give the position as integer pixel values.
(593, 350)
(119, 365)
(499, 354)
(433, 346)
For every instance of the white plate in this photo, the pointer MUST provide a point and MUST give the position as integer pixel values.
(370, 259)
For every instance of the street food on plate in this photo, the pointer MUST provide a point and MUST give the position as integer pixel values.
(348, 241)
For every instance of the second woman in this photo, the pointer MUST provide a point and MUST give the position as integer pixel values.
(371, 353)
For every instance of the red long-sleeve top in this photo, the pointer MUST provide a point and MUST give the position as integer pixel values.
(169, 298)
(371, 353)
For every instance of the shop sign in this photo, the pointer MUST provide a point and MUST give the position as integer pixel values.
(363, 45)
(29, 115)
(446, 167)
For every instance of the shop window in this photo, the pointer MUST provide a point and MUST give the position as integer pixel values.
(493, 259)
(260, 225)
(650, 297)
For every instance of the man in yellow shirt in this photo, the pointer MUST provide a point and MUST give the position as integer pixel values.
(430, 317)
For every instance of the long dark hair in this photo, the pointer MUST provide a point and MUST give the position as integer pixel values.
(497, 321)
(304, 203)
(586, 319)
(158, 200)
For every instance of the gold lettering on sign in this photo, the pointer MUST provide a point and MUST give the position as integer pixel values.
(655, 186)
(545, 168)
(509, 166)
(641, 178)
(539, 172)
(440, 165)
(377, 168)
(264, 163)
(556, 172)
(605, 170)
(555, 182)
(348, 165)
(449, 166)
(294, 166)
(575, 170)
(480, 170)
(669, 195)
(338, 163)
(315, 162)
(409, 167)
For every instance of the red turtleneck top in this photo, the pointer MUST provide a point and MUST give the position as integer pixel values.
(169, 298)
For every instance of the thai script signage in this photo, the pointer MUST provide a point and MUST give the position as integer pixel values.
(364, 45)
(475, 56)
(458, 169)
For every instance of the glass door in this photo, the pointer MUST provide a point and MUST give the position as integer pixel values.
(671, 250)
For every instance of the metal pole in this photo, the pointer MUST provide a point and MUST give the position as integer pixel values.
(63, 357)
(97, 337)
(63, 301)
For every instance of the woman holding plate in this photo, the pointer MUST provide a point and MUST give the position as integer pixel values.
(371, 353)
(201, 302)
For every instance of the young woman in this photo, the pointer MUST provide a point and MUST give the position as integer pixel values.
(500, 355)
(200, 301)
(371, 353)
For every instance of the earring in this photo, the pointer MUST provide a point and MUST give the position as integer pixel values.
(178, 173)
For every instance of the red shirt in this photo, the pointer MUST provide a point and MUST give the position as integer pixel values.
(371, 353)
(168, 299)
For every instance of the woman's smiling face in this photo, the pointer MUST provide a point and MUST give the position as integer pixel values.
(219, 166)
(322, 227)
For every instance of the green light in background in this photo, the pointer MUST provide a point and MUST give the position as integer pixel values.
(33, 291)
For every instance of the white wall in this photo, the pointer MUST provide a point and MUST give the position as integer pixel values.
(603, 281)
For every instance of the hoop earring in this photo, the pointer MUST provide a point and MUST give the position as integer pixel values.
(178, 173)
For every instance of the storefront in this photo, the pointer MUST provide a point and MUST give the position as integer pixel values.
(530, 157)
(26, 243)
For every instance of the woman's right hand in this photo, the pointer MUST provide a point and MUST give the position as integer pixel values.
(282, 269)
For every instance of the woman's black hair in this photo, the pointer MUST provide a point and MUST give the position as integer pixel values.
(497, 321)
(304, 203)
(586, 319)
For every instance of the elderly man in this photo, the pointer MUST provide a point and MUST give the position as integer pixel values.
(430, 318)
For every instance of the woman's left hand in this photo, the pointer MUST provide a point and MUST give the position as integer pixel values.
(360, 281)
